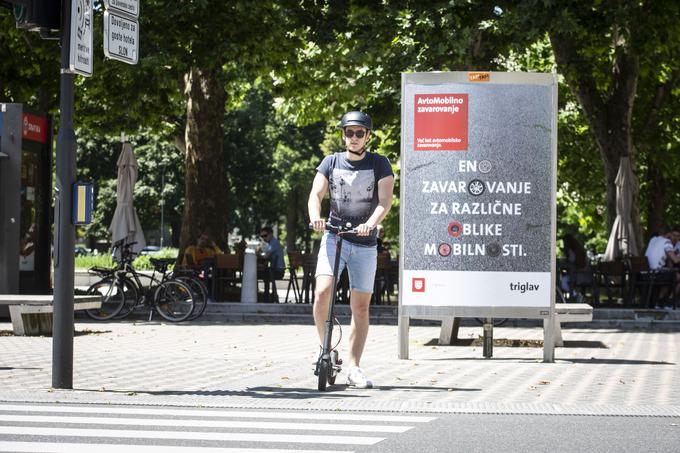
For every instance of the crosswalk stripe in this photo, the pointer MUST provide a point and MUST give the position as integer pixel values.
(203, 423)
(303, 415)
(188, 435)
(40, 447)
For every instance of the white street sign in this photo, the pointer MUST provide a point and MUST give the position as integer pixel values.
(80, 55)
(129, 7)
(121, 38)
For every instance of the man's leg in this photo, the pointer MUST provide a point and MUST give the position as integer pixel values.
(266, 286)
(322, 299)
(277, 274)
(359, 302)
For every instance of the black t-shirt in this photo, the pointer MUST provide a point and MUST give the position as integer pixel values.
(353, 186)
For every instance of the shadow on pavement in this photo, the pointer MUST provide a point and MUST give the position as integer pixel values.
(619, 361)
(7, 368)
(592, 360)
(424, 388)
(255, 392)
(77, 333)
(516, 343)
(480, 358)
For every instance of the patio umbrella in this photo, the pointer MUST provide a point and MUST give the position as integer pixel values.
(125, 227)
(622, 237)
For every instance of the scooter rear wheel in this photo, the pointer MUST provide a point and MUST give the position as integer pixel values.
(324, 367)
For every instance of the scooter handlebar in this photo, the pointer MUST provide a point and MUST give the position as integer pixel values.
(338, 229)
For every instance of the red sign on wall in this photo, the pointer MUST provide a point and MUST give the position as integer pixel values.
(441, 122)
(34, 128)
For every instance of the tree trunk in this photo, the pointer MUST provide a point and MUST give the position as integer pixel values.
(647, 143)
(609, 114)
(205, 206)
(656, 207)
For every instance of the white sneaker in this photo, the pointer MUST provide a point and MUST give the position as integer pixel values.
(356, 378)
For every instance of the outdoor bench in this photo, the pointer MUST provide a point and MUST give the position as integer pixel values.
(570, 313)
(564, 312)
(31, 314)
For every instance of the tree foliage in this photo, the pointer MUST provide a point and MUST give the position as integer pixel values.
(241, 99)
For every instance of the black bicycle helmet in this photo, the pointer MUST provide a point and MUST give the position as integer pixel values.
(356, 118)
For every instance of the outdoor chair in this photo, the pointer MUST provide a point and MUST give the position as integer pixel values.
(648, 282)
(581, 282)
(227, 276)
(308, 281)
(611, 275)
(294, 263)
(381, 288)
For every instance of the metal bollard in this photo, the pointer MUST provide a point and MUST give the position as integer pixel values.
(249, 280)
(488, 338)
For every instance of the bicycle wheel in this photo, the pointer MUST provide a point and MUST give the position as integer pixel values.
(200, 293)
(112, 298)
(174, 301)
(131, 298)
(323, 374)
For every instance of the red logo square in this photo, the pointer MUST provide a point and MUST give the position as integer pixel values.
(418, 285)
(441, 122)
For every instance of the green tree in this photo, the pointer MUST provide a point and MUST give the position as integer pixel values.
(29, 66)
(355, 52)
(619, 59)
(160, 177)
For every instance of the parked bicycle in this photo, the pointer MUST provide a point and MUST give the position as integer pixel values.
(122, 291)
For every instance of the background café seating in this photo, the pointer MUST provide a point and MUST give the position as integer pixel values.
(611, 275)
(227, 276)
(647, 282)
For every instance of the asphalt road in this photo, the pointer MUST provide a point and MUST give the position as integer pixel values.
(537, 433)
(150, 429)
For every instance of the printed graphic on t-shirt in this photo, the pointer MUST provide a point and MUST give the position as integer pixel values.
(352, 193)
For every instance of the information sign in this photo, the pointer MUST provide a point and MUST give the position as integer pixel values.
(478, 182)
(81, 53)
(129, 7)
(121, 38)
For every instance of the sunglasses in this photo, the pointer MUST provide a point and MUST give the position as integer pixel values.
(349, 133)
(264, 236)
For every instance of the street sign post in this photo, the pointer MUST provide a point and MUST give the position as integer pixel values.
(128, 7)
(121, 38)
(80, 55)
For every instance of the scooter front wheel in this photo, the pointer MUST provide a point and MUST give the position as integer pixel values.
(324, 368)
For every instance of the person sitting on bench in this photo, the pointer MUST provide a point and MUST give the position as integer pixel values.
(663, 257)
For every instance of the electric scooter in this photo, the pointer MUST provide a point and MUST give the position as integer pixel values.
(327, 368)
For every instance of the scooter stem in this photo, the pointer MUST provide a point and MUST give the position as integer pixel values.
(328, 335)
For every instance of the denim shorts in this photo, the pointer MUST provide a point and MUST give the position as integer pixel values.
(361, 262)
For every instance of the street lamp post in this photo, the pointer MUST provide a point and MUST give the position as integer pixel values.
(65, 232)
(162, 200)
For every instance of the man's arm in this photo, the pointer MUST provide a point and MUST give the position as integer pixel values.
(319, 189)
(672, 256)
(385, 189)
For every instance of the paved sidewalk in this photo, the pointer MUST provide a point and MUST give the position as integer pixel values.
(602, 371)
